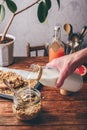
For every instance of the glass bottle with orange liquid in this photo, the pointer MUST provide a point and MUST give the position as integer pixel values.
(56, 49)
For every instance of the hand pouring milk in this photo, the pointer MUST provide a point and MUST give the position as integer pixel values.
(50, 75)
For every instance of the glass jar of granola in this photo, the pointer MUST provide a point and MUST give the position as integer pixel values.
(27, 103)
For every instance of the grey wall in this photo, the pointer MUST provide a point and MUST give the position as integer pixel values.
(27, 28)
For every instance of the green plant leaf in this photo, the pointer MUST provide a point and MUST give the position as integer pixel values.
(11, 5)
(42, 11)
(48, 3)
(2, 13)
(58, 1)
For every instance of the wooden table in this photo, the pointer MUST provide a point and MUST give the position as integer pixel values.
(58, 112)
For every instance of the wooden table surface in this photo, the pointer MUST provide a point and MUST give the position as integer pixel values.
(58, 112)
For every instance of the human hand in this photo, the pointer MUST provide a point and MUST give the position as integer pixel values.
(66, 65)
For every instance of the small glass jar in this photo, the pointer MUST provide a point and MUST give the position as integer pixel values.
(27, 103)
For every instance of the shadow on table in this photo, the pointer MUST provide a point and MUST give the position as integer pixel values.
(43, 118)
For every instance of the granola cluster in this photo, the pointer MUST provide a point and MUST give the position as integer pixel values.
(16, 81)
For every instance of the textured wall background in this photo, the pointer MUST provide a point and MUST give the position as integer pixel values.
(27, 28)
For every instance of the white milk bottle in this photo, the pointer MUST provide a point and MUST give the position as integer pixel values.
(49, 76)
(72, 83)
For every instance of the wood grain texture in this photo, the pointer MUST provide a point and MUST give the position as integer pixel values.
(58, 112)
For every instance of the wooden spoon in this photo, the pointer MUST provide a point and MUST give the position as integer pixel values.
(68, 28)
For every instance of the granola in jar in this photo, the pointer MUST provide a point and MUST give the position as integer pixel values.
(30, 105)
